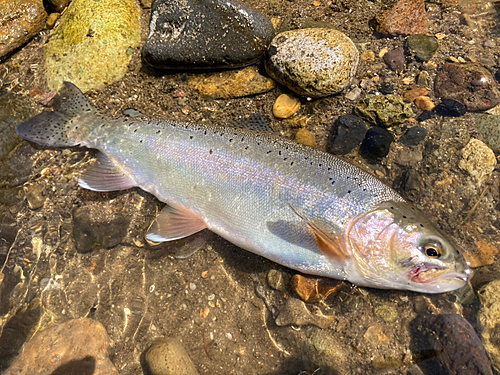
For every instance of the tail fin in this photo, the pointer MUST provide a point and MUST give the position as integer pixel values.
(71, 109)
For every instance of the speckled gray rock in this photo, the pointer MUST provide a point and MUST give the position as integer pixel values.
(168, 357)
(200, 34)
(489, 318)
(312, 62)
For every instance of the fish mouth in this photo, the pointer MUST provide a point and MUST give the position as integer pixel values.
(426, 273)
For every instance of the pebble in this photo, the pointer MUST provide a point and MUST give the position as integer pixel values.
(377, 144)
(21, 21)
(313, 289)
(395, 59)
(422, 46)
(52, 19)
(353, 95)
(408, 156)
(167, 356)
(187, 34)
(285, 106)
(413, 136)
(368, 56)
(424, 79)
(404, 17)
(36, 197)
(488, 127)
(484, 256)
(424, 103)
(275, 280)
(312, 62)
(305, 137)
(231, 84)
(295, 312)
(346, 134)
(411, 95)
(489, 318)
(426, 115)
(478, 159)
(470, 84)
(384, 110)
(78, 346)
(58, 5)
(104, 43)
(450, 107)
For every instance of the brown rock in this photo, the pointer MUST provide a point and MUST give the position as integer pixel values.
(285, 106)
(404, 17)
(76, 346)
(311, 289)
(305, 137)
(20, 20)
(395, 59)
(424, 103)
(411, 95)
(484, 256)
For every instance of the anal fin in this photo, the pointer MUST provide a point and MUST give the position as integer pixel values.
(174, 223)
(105, 176)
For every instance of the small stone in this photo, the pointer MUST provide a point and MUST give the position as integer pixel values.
(408, 156)
(285, 106)
(489, 43)
(395, 59)
(295, 312)
(368, 56)
(51, 20)
(484, 256)
(231, 84)
(313, 289)
(424, 103)
(424, 79)
(275, 280)
(382, 52)
(469, 84)
(384, 110)
(413, 136)
(478, 159)
(450, 107)
(411, 95)
(377, 144)
(20, 20)
(387, 313)
(167, 356)
(305, 137)
(205, 34)
(404, 17)
(426, 115)
(346, 134)
(388, 88)
(58, 5)
(35, 197)
(423, 46)
(353, 95)
(488, 127)
(489, 318)
(312, 62)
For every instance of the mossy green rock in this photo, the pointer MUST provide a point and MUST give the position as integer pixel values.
(93, 44)
(384, 110)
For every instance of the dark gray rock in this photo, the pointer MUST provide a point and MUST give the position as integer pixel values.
(423, 46)
(346, 134)
(200, 34)
(376, 144)
(450, 107)
(413, 136)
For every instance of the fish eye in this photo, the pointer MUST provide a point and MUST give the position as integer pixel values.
(432, 250)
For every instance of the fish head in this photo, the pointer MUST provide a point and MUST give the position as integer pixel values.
(396, 247)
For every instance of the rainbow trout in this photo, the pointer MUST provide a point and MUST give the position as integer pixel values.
(297, 206)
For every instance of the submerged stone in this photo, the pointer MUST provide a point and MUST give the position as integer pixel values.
(377, 144)
(346, 134)
(423, 46)
(404, 17)
(384, 110)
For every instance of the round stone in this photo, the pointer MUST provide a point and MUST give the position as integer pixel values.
(312, 62)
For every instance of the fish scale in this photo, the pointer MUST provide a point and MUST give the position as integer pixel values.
(290, 203)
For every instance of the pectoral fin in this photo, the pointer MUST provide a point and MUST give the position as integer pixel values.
(174, 223)
(328, 243)
(105, 176)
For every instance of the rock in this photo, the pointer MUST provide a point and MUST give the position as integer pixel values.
(395, 59)
(387, 313)
(295, 312)
(413, 136)
(346, 134)
(489, 319)
(457, 345)
(408, 156)
(488, 127)
(167, 356)
(424, 103)
(450, 107)
(231, 84)
(275, 280)
(426, 115)
(484, 256)
(368, 56)
(312, 62)
(78, 346)
(52, 19)
(353, 95)
(82, 50)
(422, 46)
(187, 34)
(478, 159)
(470, 84)
(424, 79)
(377, 144)
(313, 289)
(285, 106)
(36, 197)
(58, 5)
(411, 95)
(305, 137)
(384, 110)
(20, 20)
(404, 17)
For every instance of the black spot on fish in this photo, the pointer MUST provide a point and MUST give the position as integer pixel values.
(190, 137)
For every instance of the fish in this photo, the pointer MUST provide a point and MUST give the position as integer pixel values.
(292, 204)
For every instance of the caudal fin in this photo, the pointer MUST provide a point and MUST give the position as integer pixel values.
(56, 128)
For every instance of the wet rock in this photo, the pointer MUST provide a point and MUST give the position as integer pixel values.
(285, 106)
(354, 94)
(99, 226)
(450, 107)
(275, 280)
(167, 356)
(58, 5)
(489, 319)
(384, 110)
(231, 84)
(413, 136)
(488, 127)
(346, 134)
(312, 62)
(408, 156)
(411, 95)
(205, 34)
(305, 137)
(313, 289)
(422, 46)
(470, 84)
(457, 345)
(295, 312)
(109, 42)
(35, 197)
(387, 313)
(51, 20)
(20, 20)
(395, 59)
(478, 159)
(368, 56)
(404, 17)
(424, 103)
(76, 346)
(377, 144)
(483, 256)
(424, 79)
(426, 115)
